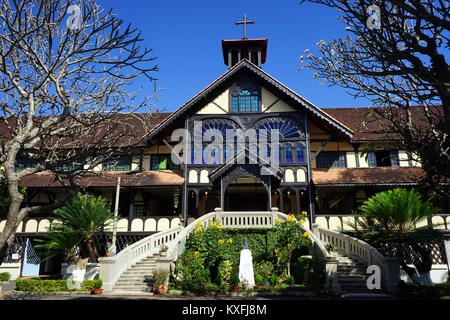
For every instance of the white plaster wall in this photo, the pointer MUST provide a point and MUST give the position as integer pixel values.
(351, 159)
(438, 273)
(12, 268)
(362, 160)
(403, 158)
(211, 108)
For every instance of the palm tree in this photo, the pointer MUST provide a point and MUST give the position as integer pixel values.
(394, 211)
(389, 219)
(74, 226)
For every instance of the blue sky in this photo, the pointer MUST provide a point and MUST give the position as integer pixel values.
(186, 39)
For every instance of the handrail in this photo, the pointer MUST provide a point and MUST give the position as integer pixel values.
(177, 247)
(361, 251)
(111, 268)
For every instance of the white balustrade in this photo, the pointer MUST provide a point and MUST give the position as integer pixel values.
(361, 251)
(112, 267)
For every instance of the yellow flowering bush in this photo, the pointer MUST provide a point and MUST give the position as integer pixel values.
(291, 237)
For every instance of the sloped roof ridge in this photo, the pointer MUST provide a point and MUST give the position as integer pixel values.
(244, 62)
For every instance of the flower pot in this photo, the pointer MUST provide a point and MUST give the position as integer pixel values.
(161, 289)
(96, 291)
(163, 253)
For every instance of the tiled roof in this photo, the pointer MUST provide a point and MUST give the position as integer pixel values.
(353, 117)
(362, 176)
(131, 127)
(315, 112)
(109, 179)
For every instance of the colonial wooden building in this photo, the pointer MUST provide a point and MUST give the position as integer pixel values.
(321, 167)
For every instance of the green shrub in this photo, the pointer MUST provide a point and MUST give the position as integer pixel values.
(40, 285)
(5, 276)
(89, 285)
(225, 272)
(235, 277)
(261, 242)
(264, 269)
(417, 291)
(290, 280)
(43, 285)
(273, 280)
(259, 280)
(190, 272)
(310, 272)
(160, 276)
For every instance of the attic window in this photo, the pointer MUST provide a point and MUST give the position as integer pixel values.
(245, 100)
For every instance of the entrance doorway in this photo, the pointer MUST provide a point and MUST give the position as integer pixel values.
(246, 194)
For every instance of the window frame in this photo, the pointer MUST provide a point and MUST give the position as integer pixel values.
(119, 166)
(342, 158)
(236, 91)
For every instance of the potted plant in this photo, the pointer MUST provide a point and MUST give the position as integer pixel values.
(163, 250)
(160, 277)
(97, 287)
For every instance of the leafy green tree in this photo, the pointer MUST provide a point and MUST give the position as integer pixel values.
(389, 218)
(291, 237)
(74, 226)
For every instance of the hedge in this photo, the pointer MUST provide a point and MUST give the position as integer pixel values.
(42, 285)
(5, 276)
(414, 290)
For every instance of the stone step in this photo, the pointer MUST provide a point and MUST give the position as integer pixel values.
(351, 264)
(132, 285)
(345, 290)
(144, 268)
(138, 264)
(133, 289)
(356, 277)
(356, 287)
(345, 268)
(135, 279)
(351, 272)
(133, 276)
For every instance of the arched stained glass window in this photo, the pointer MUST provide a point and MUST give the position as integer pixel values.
(212, 128)
(245, 100)
(300, 154)
(288, 154)
(287, 128)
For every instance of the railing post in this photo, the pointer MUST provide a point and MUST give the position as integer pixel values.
(331, 280)
(315, 230)
(218, 215)
(274, 215)
(107, 272)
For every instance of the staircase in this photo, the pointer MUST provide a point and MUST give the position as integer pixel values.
(352, 276)
(136, 278)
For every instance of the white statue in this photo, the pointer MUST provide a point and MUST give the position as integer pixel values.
(246, 266)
